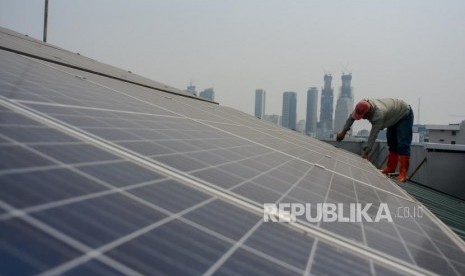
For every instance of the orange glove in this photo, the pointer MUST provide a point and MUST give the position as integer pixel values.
(340, 136)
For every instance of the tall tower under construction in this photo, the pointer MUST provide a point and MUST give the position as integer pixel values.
(345, 102)
(326, 108)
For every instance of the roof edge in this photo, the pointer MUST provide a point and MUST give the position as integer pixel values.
(101, 74)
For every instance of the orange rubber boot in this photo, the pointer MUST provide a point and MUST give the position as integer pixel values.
(404, 161)
(391, 163)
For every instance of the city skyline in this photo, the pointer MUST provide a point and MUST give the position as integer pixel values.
(260, 95)
(313, 125)
(400, 49)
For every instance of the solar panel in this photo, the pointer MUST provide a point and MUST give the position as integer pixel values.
(102, 176)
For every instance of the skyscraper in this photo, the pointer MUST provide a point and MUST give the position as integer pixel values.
(312, 105)
(327, 107)
(208, 94)
(289, 110)
(345, 102)
(260, 96)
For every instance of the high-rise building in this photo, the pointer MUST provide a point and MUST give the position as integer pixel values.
(312, 105)
(208, 94)
(345, 103)
(191, 89)
(260, 96)
(289, 110)
(327, 107)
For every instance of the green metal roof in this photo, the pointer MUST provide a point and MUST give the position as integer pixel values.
(449, 209)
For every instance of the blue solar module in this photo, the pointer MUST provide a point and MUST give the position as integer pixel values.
(93, 268)
(25, 250)
(103, 176)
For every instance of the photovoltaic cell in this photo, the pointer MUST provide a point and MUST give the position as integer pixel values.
(280, 242)
(143, 219)
(120, 174)
(257, 193)
(34, 134)
(225, 219)
(28, 189)
(145, 147)
(75, 153)
(183, 163)
(16, 157)
(245, 263)
(330, 261)
(382, 271)
(158, 254)
(170, 195)
(8, 118)
(26, 250)
(93, 268)
(219, 178)
(106, 218)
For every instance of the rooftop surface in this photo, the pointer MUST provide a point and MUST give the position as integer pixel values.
(100, 175)
(449, 209)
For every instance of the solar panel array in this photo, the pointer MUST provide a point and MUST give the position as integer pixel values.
(99, 176)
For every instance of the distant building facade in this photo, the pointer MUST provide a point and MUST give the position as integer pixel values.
(191, 89)
(208, 94)
(312, 113)
(419, 133)
(345, 103)
(446, 134)
(274, 118)
(363, 133)
(300, 126)
(289, 116)
(326, 108)
(260, 96)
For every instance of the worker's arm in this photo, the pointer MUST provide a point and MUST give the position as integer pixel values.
(341, 135)
(375, 129)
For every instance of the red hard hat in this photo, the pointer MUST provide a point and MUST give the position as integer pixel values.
(362, 108)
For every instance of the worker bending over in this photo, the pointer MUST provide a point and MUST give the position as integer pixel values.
(397, 117)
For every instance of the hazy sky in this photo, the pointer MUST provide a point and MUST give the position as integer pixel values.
(408, 49)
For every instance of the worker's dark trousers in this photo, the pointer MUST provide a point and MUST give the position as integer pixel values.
(399, 136)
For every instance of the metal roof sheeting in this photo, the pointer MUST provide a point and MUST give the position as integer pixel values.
(449, 209)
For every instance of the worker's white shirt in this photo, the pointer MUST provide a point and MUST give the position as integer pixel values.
(386, 113)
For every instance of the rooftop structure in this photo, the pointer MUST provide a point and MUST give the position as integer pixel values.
(446, 134)
(208, 94)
